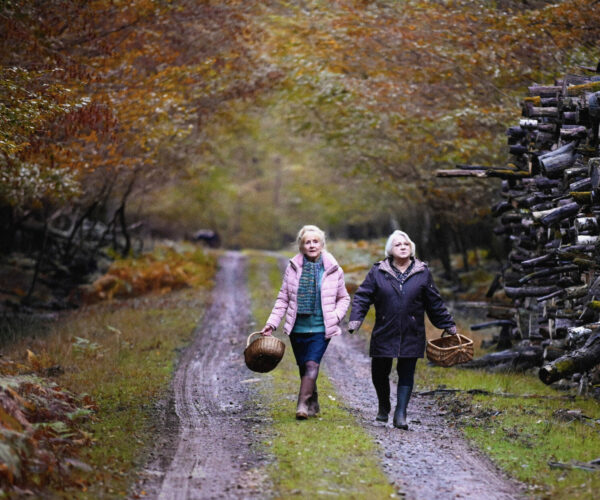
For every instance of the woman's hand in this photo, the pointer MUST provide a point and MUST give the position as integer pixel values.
(267, 331)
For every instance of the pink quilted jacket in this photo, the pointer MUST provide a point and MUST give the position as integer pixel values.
(334, 296)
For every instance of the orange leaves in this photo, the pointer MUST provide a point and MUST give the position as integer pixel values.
(99, 87)
(33, 361)
(40, 431)
(159, 272)
(11, 414)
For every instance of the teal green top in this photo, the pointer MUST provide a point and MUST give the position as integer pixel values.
(309, 323)
(312, 323)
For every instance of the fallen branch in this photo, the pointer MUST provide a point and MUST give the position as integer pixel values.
(483, 392)
(593, 466)
(518, 358)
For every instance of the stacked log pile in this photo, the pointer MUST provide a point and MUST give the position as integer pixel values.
(550, 212)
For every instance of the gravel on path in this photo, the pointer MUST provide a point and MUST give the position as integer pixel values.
(430, 461)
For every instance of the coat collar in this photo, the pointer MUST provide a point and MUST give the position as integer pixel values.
(386, 267)
(329, 262)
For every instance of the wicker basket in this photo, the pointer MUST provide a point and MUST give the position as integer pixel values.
(450, 350)
(263, 354)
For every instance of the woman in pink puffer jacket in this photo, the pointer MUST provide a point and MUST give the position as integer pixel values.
(314, 300)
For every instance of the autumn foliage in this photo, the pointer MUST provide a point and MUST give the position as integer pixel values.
(41, 430)
(106, 88)
(161, 271)
(101, 101)
(382, 93)
(105, 102)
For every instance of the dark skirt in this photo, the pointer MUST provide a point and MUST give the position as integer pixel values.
(308, 346)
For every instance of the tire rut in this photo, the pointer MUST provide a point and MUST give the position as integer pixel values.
(214, 455)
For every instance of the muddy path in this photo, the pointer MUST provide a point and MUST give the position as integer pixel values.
(430, 461)
(207, 444)
(206, 448)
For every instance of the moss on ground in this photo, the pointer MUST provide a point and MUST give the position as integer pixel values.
(523, 426)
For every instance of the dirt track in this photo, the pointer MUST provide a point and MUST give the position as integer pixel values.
(208, 447)
(430, 461)
(210, 453)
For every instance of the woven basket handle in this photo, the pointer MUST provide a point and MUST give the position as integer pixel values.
(250, 336)
(456, 334)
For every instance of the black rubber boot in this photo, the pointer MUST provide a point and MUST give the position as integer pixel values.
(384, 410)
(404, 392)
(380, 369)
(383, 397)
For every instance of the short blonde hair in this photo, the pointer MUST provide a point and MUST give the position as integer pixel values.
(393, 237)
(310, 229)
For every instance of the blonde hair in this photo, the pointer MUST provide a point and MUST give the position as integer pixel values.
(393, 237)
(310, 229)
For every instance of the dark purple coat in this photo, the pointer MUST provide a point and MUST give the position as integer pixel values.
(399, 330)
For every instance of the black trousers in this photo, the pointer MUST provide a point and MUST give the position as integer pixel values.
(380, 374)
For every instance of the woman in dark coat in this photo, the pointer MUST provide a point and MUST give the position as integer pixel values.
(402, 290)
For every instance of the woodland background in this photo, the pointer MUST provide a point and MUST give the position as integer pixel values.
(124, 122)
(127, 119)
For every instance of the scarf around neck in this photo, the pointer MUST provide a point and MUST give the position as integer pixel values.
(309, 284)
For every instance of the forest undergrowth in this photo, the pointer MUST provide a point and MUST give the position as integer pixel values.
(83, 389)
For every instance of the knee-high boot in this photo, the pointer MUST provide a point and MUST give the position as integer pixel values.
(404, 392)
(380, 375)
(307, 385)
(383, 397)
(313, 403)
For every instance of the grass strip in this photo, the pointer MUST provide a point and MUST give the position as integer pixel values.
(522, 435)
(320, 457)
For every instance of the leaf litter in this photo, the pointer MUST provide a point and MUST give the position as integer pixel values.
(42, 430)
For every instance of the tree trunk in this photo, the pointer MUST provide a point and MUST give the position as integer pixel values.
(537, 260)
(578, 361)
(581, 185)
(519, 358)
(442, 246)
(553, 166)
(570, 133)
(529, 291)
(552, 353)
(549, 271)
(560, 213)
(545, 90)
(38, 262)
(534, 111)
